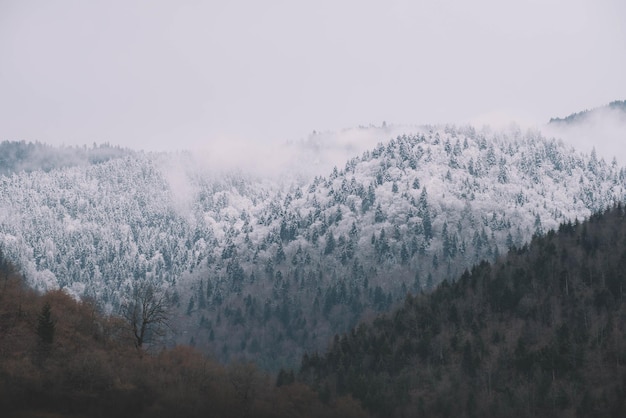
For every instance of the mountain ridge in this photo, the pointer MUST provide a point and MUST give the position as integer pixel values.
(618, 107)
(260, 268)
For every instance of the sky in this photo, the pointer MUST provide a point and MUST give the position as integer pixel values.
(164, 75)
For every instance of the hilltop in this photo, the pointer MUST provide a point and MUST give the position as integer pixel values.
(262, 269)
(617, 107)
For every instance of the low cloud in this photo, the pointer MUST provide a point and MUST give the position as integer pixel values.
(603, 129)
(498, 120)
(299, 160)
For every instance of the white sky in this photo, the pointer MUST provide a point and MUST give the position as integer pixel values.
(180, 74)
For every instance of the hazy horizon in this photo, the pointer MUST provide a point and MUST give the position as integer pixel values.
(167, 76)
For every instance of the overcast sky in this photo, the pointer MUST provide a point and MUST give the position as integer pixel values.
(180, 74)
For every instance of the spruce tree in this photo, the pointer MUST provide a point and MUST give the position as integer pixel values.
(45, 334)
(45, 325)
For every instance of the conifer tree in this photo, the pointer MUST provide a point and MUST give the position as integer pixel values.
(45, 326)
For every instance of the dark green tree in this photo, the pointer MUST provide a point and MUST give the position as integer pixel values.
(330, 243)
(45, 326)
(379, 215)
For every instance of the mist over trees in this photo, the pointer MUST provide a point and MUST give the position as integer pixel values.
(261, 270)
(16, 156)
(601, 129)
(237, 273)
(617, 107)
(536, 333)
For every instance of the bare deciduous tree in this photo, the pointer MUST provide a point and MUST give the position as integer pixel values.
(147, 313)
(245, 380)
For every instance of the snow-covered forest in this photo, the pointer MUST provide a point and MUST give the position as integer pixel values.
(266, 269)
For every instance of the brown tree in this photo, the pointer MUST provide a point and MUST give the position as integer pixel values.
(147, 313)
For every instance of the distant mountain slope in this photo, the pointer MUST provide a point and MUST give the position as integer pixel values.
(16, 156)
(617, 107)
(602, 129)
(539, 333)
(266, 270)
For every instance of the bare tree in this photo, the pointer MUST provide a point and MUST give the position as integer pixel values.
(245, 380)
(147, 313)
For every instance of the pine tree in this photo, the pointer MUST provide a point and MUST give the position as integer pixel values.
(45, 326)
(330, 243)
(379, 215)
(429, 282)
(417, 282)
(427, 226)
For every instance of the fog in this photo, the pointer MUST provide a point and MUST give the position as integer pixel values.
(268, 165)
(603, 130)
(226, 76)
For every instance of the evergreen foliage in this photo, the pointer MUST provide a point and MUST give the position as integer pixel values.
(45, 325)
(538, 333)
(92, 369)
(309, 254)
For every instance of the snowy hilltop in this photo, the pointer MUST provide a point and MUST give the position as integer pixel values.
(267, 268)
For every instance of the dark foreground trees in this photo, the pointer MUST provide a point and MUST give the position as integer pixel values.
(539, 333)
(91, 367)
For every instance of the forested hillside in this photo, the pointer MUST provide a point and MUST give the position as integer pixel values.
(16, 156)
(60, 357)
(265, 270)
(617, 108)
(540, 332)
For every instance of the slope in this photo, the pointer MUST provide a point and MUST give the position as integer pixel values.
(60, 357)
(617, 107)
(16, 156)
(400, 218)
(538, 333)
(265, 270)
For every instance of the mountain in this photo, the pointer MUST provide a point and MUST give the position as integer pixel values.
(617, 107)
(16, 156)
(537, 333)
(602, 129)
(267, 269)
